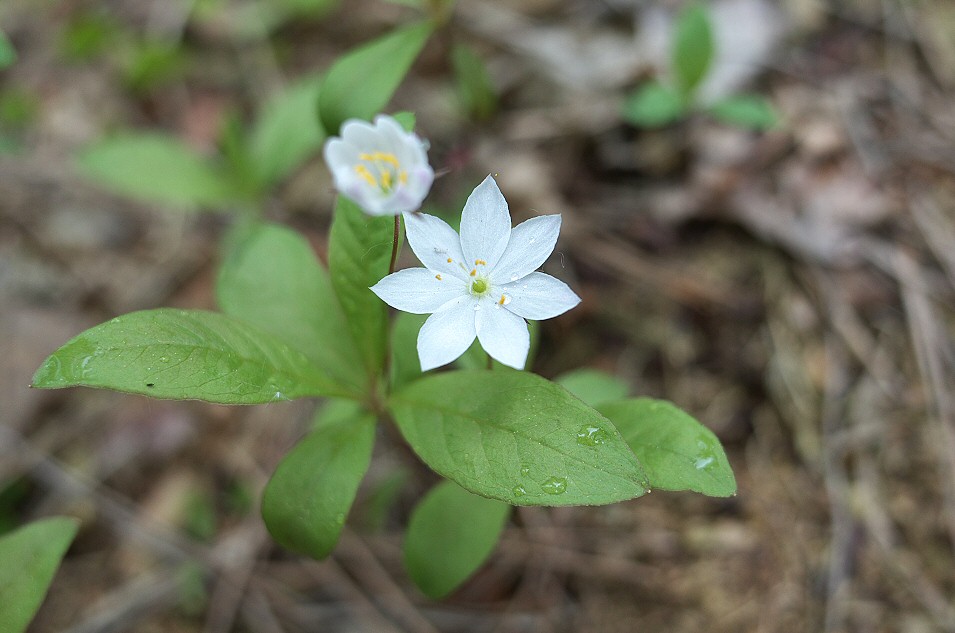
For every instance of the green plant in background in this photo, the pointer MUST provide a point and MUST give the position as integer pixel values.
(8, 54)
(290, 328)
(31, 556)
(656, 103)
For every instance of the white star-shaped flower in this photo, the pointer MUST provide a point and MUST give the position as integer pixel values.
(380, 167)
(481, 284)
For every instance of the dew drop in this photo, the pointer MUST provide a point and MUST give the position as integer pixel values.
(554, 485)
(590, 435)
(519, 491)
(340, 518)
(703, 462)
(163, 359)
(477, 306)
(525, 471)
(515, 277)
(114, 320)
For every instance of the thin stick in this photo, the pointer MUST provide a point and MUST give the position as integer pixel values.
(394, 245)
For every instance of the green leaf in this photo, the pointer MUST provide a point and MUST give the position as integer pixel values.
(360, 84)
(359, 252)
(516, 437)
(653, 105)
(31, 556)
(474, 86)
(593, 386)
(8, 54)
(677, 452)
(450, 534)
(405, 119)
(749, 111)
(405, 365)
(692, 47)
(273, 280)
(307, 499)
(184, 354)
(155, 168)
(287, 132)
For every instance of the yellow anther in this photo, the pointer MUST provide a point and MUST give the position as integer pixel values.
(403, 177)
(362, 171)
(473, 271)
(438, 277)
(501, 300)
(480, 262)
(386, 180)
(383, 157)
(450, 260)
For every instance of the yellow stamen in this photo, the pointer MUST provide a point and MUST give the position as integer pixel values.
(438, 277)
(480, 262)
(403, 177)
(473, 271)
(383, 157)
(501, 301)
(362, 171)
(450, 260)
(386, 180)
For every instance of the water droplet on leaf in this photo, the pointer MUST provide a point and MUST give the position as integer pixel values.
(519, 491)
(525, 470)
(590, 435)
(554, 485)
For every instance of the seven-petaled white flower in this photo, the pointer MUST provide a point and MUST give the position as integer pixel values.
(482, 284)
(382, 168)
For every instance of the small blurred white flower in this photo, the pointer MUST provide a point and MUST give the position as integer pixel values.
(481, 284)
(380, 166)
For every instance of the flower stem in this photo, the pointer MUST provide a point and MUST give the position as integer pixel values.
(394, 245)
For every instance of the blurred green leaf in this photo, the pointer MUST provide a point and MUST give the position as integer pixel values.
(8, 54)
(749, 111)
(308, 498)
(360, 84)
(185, 354)
(89, 35)
(31, 556)
(405, 119)
(273, 280)
(514, 436)
(692, 47)
(475, 90)
(155, 168)
(653, 105)
(592, 386)
(151, 64)
(359, 252)
(405, 365)
(287, 132)
(450, 534)
(305, 8)
(677, 452)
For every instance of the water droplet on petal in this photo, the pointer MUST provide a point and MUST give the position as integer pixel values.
(515, 277)
(554, 485)
(590, 435)
(477, 306)
(519, 491)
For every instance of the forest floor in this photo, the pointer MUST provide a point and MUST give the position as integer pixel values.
(793, 289)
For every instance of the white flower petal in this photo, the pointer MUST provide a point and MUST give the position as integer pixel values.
(539, 296)
(485, 224)
(361, 134)
(503, 334)
(531, 243)
(447, 333)
(434, 242)
(418, 290)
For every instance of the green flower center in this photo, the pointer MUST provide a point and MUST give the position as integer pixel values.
(479, 286)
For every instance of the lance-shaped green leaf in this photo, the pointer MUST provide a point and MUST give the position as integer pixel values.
(359, 252)
(287, 131)
(273, 280)
(692, 47)
(516, 437)
(450, 534)
(30, 557)
(185, 354)
(155, 168)
(653, 105)
(750, 111)
(360, 84)
(677, 452)
(405, 366)
(307, 499)
(593, 386)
